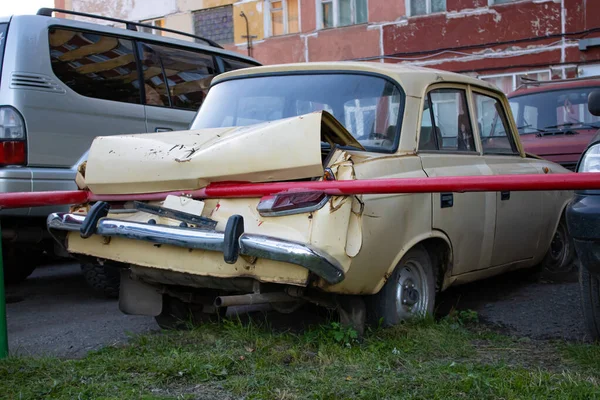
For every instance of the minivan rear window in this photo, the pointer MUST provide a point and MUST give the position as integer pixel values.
(3, 30)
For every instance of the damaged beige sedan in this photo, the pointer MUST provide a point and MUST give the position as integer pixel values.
(383, 256)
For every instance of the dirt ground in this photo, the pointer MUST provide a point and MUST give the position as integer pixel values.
(54, 312)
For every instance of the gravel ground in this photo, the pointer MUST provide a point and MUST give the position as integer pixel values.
(54, 312)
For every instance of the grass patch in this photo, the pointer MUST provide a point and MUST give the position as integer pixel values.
(452, 358)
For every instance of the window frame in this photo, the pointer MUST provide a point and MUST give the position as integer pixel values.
(515, 144)
(268, 16)
(401, 105)
(336, 14)
(427, 8)
(470, 110)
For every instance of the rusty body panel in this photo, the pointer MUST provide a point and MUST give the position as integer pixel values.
(366, 235)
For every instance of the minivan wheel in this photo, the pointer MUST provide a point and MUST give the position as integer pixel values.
(590, 301)
(409, 291)
(103, 279)
(20, 263)
(179, 315)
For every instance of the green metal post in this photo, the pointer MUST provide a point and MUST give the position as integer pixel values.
(3, 325)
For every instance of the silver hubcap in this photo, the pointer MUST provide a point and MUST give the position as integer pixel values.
(412, 293)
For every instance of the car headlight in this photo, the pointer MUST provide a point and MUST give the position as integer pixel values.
(590, 162)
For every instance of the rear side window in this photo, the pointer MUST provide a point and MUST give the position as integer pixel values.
(94, 65)
(496, 137)
(176, 78)
(230, 64)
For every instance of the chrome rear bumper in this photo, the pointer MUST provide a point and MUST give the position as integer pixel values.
(316, 261)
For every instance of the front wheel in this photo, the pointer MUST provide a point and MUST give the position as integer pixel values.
(103, 279)
(409, 292)
(590, 300)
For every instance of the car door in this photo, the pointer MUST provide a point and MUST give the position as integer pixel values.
(448, 147)
(98, 95)
(518, 214)
(176, 82)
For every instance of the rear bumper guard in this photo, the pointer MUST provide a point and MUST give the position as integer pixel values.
(231, 243)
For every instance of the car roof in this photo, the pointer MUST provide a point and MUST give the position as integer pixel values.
(547, 86)
(118, 31)
(414, 80)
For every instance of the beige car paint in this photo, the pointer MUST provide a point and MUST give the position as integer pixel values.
(367, 234)
(191, 159)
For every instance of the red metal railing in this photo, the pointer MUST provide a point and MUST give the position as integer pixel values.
(459, 184)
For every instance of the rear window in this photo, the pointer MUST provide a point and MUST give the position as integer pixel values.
(3, 30)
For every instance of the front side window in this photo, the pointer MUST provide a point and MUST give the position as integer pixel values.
(342, 13)
(284, 17)
(554, 112)
(175, 77)
(369, 107)
(95, 65)
(445, 124)
(422, 7)
(496, 137)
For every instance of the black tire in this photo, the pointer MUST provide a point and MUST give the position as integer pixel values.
(397, 300)
(178, 315)
(559, 261)
(590, 300)
(20, 263)
(103, 279)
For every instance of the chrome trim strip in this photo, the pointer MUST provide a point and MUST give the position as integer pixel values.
(316, 261)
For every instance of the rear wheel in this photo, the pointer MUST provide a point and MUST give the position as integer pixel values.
(19, 263)
(104, 279)
(590, 301)
(179, 315)
(409, 292)
(559, 261)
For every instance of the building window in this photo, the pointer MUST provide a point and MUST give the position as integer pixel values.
(215, 24)
(333, 13)
(422, 7)
(283, 17)
(160, 23)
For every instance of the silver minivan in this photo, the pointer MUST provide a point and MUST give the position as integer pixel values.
(63, 82)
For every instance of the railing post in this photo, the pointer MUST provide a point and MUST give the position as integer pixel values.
(3, 325)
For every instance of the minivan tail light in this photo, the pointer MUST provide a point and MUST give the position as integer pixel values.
(291, 203)
(13, 145)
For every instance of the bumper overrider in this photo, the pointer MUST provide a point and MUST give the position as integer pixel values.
(232, 242)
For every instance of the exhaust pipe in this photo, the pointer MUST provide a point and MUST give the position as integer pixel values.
(254, 298)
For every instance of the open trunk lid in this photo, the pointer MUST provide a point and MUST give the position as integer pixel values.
(286, 149)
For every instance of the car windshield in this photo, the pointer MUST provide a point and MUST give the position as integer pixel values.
(367, 106)
(554, 110)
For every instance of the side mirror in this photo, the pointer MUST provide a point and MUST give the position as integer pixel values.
(594, 102)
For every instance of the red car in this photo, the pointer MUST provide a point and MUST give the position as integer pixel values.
(553, 118)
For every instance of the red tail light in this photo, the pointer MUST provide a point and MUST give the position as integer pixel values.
(12, 137)
(13, 153)
(291, 203)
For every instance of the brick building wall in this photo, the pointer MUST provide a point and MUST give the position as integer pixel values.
(498, 40)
